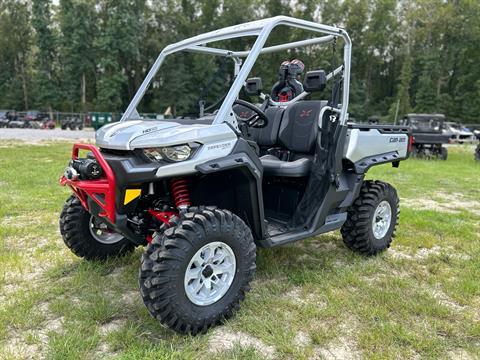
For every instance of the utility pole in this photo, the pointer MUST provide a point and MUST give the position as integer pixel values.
(396, 112)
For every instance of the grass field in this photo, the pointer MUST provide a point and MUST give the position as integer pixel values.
(310, 300)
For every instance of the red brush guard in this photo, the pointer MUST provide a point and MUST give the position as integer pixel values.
(102, 191)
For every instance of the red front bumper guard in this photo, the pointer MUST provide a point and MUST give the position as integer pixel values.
(102, 191)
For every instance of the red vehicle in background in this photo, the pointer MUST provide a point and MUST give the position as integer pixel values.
(38, 120)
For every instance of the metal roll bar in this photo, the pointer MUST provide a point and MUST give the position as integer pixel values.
(261, 29)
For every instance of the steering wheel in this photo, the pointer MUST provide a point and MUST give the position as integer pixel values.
(254, 120)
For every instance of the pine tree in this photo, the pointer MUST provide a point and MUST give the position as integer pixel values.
(426, 96)
(78, 28)
(403, 92)
(45, 60)
(119, 59)
(15, 45)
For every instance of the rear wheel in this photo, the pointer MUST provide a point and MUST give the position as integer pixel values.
(372, 219)
(89, 237)
(443, 153)
(195, 274)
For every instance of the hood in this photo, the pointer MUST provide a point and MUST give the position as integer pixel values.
(129, 135)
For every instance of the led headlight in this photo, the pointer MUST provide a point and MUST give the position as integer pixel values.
(169, 153)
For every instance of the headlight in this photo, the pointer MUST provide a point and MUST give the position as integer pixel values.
(169, 153)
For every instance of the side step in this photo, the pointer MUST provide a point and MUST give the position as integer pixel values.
(332, 222)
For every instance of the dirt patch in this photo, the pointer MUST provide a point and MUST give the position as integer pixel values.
(373, 279)
(18, 348)
(442, 202)
(103, 352)
(459, 354)
(117, 272)
(298, 297)
(55, 325)
(223, 340)
(301, 340)
(444, 300)
(400, 252)
(343, 348)
(111, 326)
(30, 344)
(131, 298)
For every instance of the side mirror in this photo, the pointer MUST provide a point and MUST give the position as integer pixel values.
(253, 86)
(315, 80)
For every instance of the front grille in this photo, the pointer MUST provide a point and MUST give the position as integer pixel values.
(116, 152)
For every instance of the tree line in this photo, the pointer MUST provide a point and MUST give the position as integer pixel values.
(84, 55)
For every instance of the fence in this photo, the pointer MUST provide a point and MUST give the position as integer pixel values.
(93, 119)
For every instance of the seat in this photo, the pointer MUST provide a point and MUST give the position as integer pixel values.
(267, 136)
(297, 134)
(275, 167)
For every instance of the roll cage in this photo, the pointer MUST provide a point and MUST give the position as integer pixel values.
(244, 60)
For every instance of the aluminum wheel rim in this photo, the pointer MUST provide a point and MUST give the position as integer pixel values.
(382, 219)
(210, 273)
(102, 232)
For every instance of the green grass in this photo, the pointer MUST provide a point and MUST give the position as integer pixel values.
(421, 298)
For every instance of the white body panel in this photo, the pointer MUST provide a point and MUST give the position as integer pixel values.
(135, 134)
(217, 141)
(363, 144)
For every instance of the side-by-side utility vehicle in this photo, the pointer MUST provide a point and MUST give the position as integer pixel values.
(203, 193)
(427, 135)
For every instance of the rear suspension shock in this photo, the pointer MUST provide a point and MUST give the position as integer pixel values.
(180, 193)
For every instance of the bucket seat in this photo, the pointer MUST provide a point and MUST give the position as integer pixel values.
(297, 135)
(268, 136)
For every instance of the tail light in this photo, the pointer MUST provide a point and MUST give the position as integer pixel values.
(411, 140)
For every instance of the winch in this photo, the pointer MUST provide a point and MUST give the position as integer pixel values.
(83, 169)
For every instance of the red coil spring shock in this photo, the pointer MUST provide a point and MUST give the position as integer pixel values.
(180, 193)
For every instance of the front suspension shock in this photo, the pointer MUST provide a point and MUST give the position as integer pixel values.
(180, 193)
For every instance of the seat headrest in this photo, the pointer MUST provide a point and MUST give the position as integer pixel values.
(299, 127)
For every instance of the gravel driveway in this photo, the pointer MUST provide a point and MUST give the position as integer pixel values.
(38, 134)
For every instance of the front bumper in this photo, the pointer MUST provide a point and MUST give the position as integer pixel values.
(101, 191)
(109, 197)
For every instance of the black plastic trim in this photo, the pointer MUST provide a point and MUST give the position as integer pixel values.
(362, 166)
(120, 224)
(242, 155)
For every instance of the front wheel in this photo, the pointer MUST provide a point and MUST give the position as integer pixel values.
(195, 274)
(372, 219)
(89, 237)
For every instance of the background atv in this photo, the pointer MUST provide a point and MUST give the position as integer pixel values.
(203, 192)
(6, 116)
(71, 123)
(428, 135)
(458, 133)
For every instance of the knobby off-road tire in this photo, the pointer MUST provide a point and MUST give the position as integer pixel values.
(359, 232)
(164, 264)
(75, 223)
